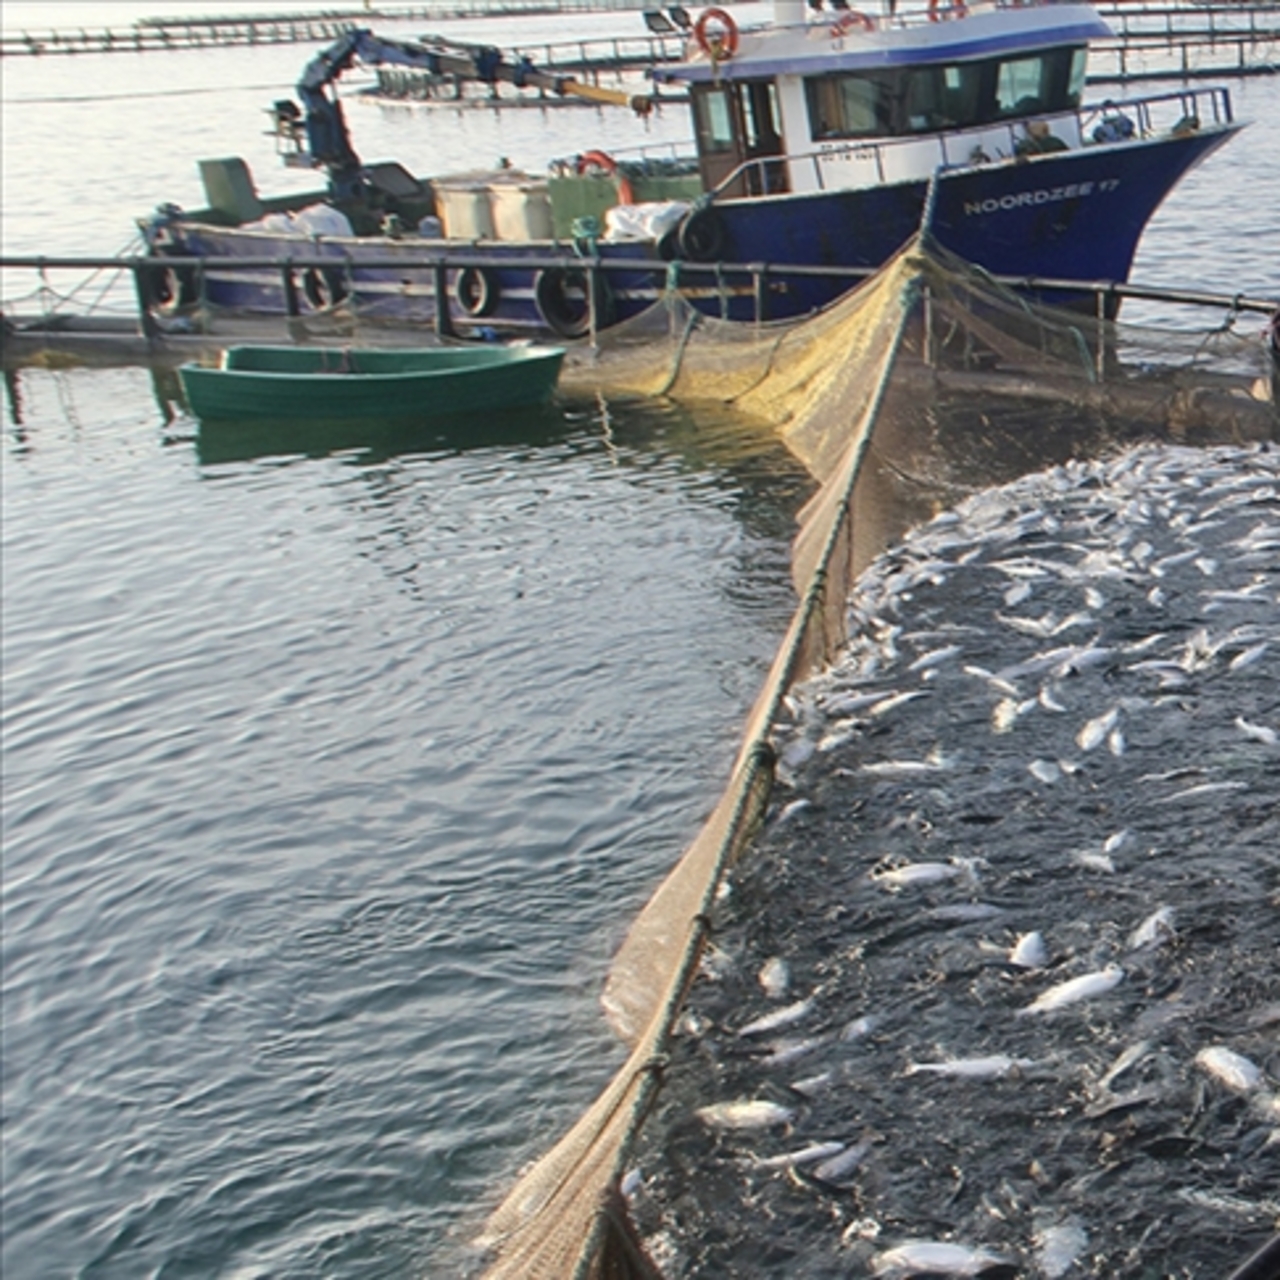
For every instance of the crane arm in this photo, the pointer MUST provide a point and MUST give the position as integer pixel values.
(327, 136)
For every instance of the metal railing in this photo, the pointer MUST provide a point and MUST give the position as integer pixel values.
(1194, 105)
(438, 265)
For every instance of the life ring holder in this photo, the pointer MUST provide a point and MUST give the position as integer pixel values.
(568, 315)
(848, 20)
(717, 45)
(607, 165)
(476, 291)
(944, 9)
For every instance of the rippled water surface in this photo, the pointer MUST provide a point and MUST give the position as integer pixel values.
(333, 775)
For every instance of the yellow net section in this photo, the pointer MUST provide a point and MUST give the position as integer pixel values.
(927, 382)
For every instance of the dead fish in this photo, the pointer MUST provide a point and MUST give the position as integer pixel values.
(1007, 713)
(1204, 789)
(1058, 1247)
(1116, 841)
(1047, 700)
(934, 1258)
(1075, 990)
(1045, 771)
(1229, 1068)
(1157, 928)
(1115, 741)
(849, 704)
(935, 658)
(1095, 861)
(787, 1016)
(990, 1068)
(774, 977)
(1029, 952)
(1095, 731)
(913, 874)
(1257, 732)
(784, 1052)
(1248, 657)
(813, 1086)
(858, 1027)
(1130, 1057)
(744, 1115)
(895, 701)
(999, 683)
(838, 1169)
(797, 1159)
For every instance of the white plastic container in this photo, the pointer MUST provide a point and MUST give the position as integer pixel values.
(464, 209)
(521, 210)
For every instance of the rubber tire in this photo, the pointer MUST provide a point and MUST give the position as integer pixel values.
(170, 289)
(702, 237)
(324, 287)
(561, 297)
(476, 291)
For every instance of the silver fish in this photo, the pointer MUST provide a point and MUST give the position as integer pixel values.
(774, 977)
(1029, 952)
(895, 701)
(1058, 1247)
(1257, 732)
(787, 1016)
(1205, 789)
(1154, 930)
(1095, 731)
(1229, 1068)
(1074, 990)
(744, 1115)
(796, 1159)
(990, 1068)
(1045, 771)
(936, 658)
(918, 873)
(936, 1258)
(1248, 657)
(837, 1170)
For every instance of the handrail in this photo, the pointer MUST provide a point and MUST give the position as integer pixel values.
(142, 262)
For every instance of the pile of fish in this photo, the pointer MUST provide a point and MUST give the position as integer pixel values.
(996, 992)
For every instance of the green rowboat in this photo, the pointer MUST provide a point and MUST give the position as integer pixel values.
(388, 384)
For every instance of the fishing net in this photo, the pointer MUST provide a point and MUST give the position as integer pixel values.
(927, 383)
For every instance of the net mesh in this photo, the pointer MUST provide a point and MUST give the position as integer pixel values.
(926, 383)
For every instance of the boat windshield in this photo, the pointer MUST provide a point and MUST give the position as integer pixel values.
(956, 95)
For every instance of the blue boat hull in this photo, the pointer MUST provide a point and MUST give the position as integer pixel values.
(1075, 215)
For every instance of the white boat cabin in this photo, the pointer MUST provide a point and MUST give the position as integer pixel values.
(843, 99)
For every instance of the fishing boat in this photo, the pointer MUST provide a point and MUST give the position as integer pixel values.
(330, 384)
(821, 140)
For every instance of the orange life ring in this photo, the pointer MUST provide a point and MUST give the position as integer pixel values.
(951, 9)
(720, 44)
(851, 18)
(603, 161)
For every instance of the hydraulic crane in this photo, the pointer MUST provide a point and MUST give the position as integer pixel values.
(328, 140)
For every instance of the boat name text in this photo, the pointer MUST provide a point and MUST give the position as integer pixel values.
(1044, 195)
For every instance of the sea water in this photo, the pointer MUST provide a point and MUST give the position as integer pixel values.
(332, 778)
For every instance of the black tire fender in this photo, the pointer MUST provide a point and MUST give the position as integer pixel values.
(170, 289)
(476, 291)
(562, 298)
(324, 287)
(702, 236)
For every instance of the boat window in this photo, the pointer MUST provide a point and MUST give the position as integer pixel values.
(1020, 87)
(956, 95)
(944, 97)
(1075, 82)
(850, 106)
(714, 115)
